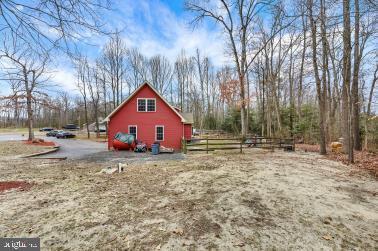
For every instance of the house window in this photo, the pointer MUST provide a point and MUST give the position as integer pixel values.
(146, 105)
(141, 105)
(151, 105)
(133, 131)
(159, 133)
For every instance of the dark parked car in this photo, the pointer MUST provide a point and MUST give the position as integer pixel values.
(65, 135)
(46, 129)
(53, 133)
(100, 130)
(71, 127)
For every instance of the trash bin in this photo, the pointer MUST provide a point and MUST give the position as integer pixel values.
(155, 149)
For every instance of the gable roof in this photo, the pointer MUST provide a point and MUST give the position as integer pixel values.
(183, 119)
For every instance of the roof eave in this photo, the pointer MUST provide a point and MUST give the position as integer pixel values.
(136, 91)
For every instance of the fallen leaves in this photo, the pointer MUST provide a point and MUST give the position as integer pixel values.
(363, 159)
(327, 237)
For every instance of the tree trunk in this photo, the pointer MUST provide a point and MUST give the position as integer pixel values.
(375, 79)
(303, 56)
(321, 101)
(324, 111)
(30, 115)
(291, 90)
(29, 107)
(356, 69)
(347, 107)
(242, 107)
(86, 117)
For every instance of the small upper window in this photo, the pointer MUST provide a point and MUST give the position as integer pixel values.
(151, 105)
(146, 105)
(141, 105)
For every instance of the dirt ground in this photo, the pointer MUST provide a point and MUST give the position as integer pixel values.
(220, 201)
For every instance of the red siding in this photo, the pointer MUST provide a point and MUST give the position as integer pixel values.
(188, 131)
(146, 121)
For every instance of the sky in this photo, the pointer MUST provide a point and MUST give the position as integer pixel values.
(154, 27)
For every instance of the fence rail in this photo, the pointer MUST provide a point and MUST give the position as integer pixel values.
(212, 144)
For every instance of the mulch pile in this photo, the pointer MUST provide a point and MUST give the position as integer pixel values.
(362, 159)
(39, 142)
(21, 185)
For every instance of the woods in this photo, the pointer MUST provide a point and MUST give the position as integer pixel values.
(306, 70)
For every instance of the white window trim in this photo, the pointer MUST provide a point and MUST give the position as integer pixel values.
(146, 108)
(137, 105)
(147, 104)
(136, 128)
(156, 126)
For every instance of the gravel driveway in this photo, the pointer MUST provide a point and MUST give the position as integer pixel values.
(87, 150)
(70, 148)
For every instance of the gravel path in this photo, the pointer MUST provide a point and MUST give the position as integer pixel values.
(87, 150)
(70, 148)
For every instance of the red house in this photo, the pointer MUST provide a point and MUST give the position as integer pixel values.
(150, 118)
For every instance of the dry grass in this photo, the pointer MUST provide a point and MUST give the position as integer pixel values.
(93, 137)
(14, 130)
(12, 148)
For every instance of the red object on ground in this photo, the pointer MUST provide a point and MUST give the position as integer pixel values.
(119, 145)
(45, 143)
(7, 185)
(174, 124)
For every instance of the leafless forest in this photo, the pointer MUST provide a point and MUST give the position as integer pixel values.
(302, 68)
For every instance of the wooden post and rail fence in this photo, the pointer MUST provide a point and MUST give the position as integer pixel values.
(212, 144)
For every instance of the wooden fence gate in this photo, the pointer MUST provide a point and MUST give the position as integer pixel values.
(211, 144)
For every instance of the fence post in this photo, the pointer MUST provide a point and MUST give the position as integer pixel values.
(241, 145)
(183, 143)
(271, 144)
(207, 145)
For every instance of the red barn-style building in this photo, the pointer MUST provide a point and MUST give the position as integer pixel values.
(147, 115)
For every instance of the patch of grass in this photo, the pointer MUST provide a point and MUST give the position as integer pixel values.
(15, 130)
(93, 137)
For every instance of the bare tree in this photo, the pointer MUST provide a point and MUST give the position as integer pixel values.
(64, 100)
(137, 68)
(83, 82)
(320, 82)
(114, 57)
(161, 73)
(29, 71)
(94, 87)
(369, 102)
(184, 69)
(236, 20)
(346, 95)
(45, 24)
